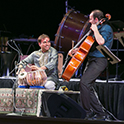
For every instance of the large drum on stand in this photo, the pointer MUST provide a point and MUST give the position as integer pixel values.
(72, 27)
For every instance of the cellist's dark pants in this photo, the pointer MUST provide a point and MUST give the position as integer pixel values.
(93, 69)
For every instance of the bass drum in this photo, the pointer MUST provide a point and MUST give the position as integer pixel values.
(71, 28)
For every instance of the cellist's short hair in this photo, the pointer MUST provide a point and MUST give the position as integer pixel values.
(43, 36)
(97, 14)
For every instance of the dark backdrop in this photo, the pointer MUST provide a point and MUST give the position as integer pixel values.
(30, 18)
(34, 17)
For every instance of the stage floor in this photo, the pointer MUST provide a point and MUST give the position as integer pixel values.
(4, 119)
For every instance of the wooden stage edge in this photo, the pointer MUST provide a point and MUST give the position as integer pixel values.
(5, 119)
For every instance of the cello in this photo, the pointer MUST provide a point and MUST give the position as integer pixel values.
(83, 50)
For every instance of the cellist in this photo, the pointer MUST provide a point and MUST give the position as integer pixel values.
(96, 64)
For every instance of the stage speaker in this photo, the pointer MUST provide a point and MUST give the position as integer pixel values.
(62, 106)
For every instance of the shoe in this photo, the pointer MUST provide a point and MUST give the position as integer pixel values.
(102, 117)
(89, 116)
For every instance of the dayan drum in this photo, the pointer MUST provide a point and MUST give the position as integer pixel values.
(36, 78)
(22, 79)
(72, 27)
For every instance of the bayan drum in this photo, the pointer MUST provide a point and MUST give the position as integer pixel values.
(22, 79)
(36, 78)
(72, 27)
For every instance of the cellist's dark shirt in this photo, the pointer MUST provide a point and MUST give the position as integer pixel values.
(107, 33)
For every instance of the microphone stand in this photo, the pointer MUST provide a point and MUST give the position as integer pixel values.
(14, 95)
(116, 76)
(15, 83)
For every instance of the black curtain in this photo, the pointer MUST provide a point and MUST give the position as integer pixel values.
(111, 95)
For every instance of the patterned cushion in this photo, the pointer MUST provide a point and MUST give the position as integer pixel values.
(26, 101)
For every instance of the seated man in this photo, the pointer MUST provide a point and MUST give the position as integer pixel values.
(46, 58)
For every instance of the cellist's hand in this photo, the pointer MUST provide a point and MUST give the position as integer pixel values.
(73, 51)
(94, 27)
(98, 37)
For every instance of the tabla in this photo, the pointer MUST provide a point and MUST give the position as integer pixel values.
(22, 79)
(36, 78)
(72, 27)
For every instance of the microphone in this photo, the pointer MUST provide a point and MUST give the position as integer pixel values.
(10, 40)
(15, 63)
(24, 64)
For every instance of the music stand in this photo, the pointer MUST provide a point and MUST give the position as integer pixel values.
(120, 37)
(108, 54)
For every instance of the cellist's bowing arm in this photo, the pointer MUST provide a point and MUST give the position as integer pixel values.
(72, 51)
(100, 40)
